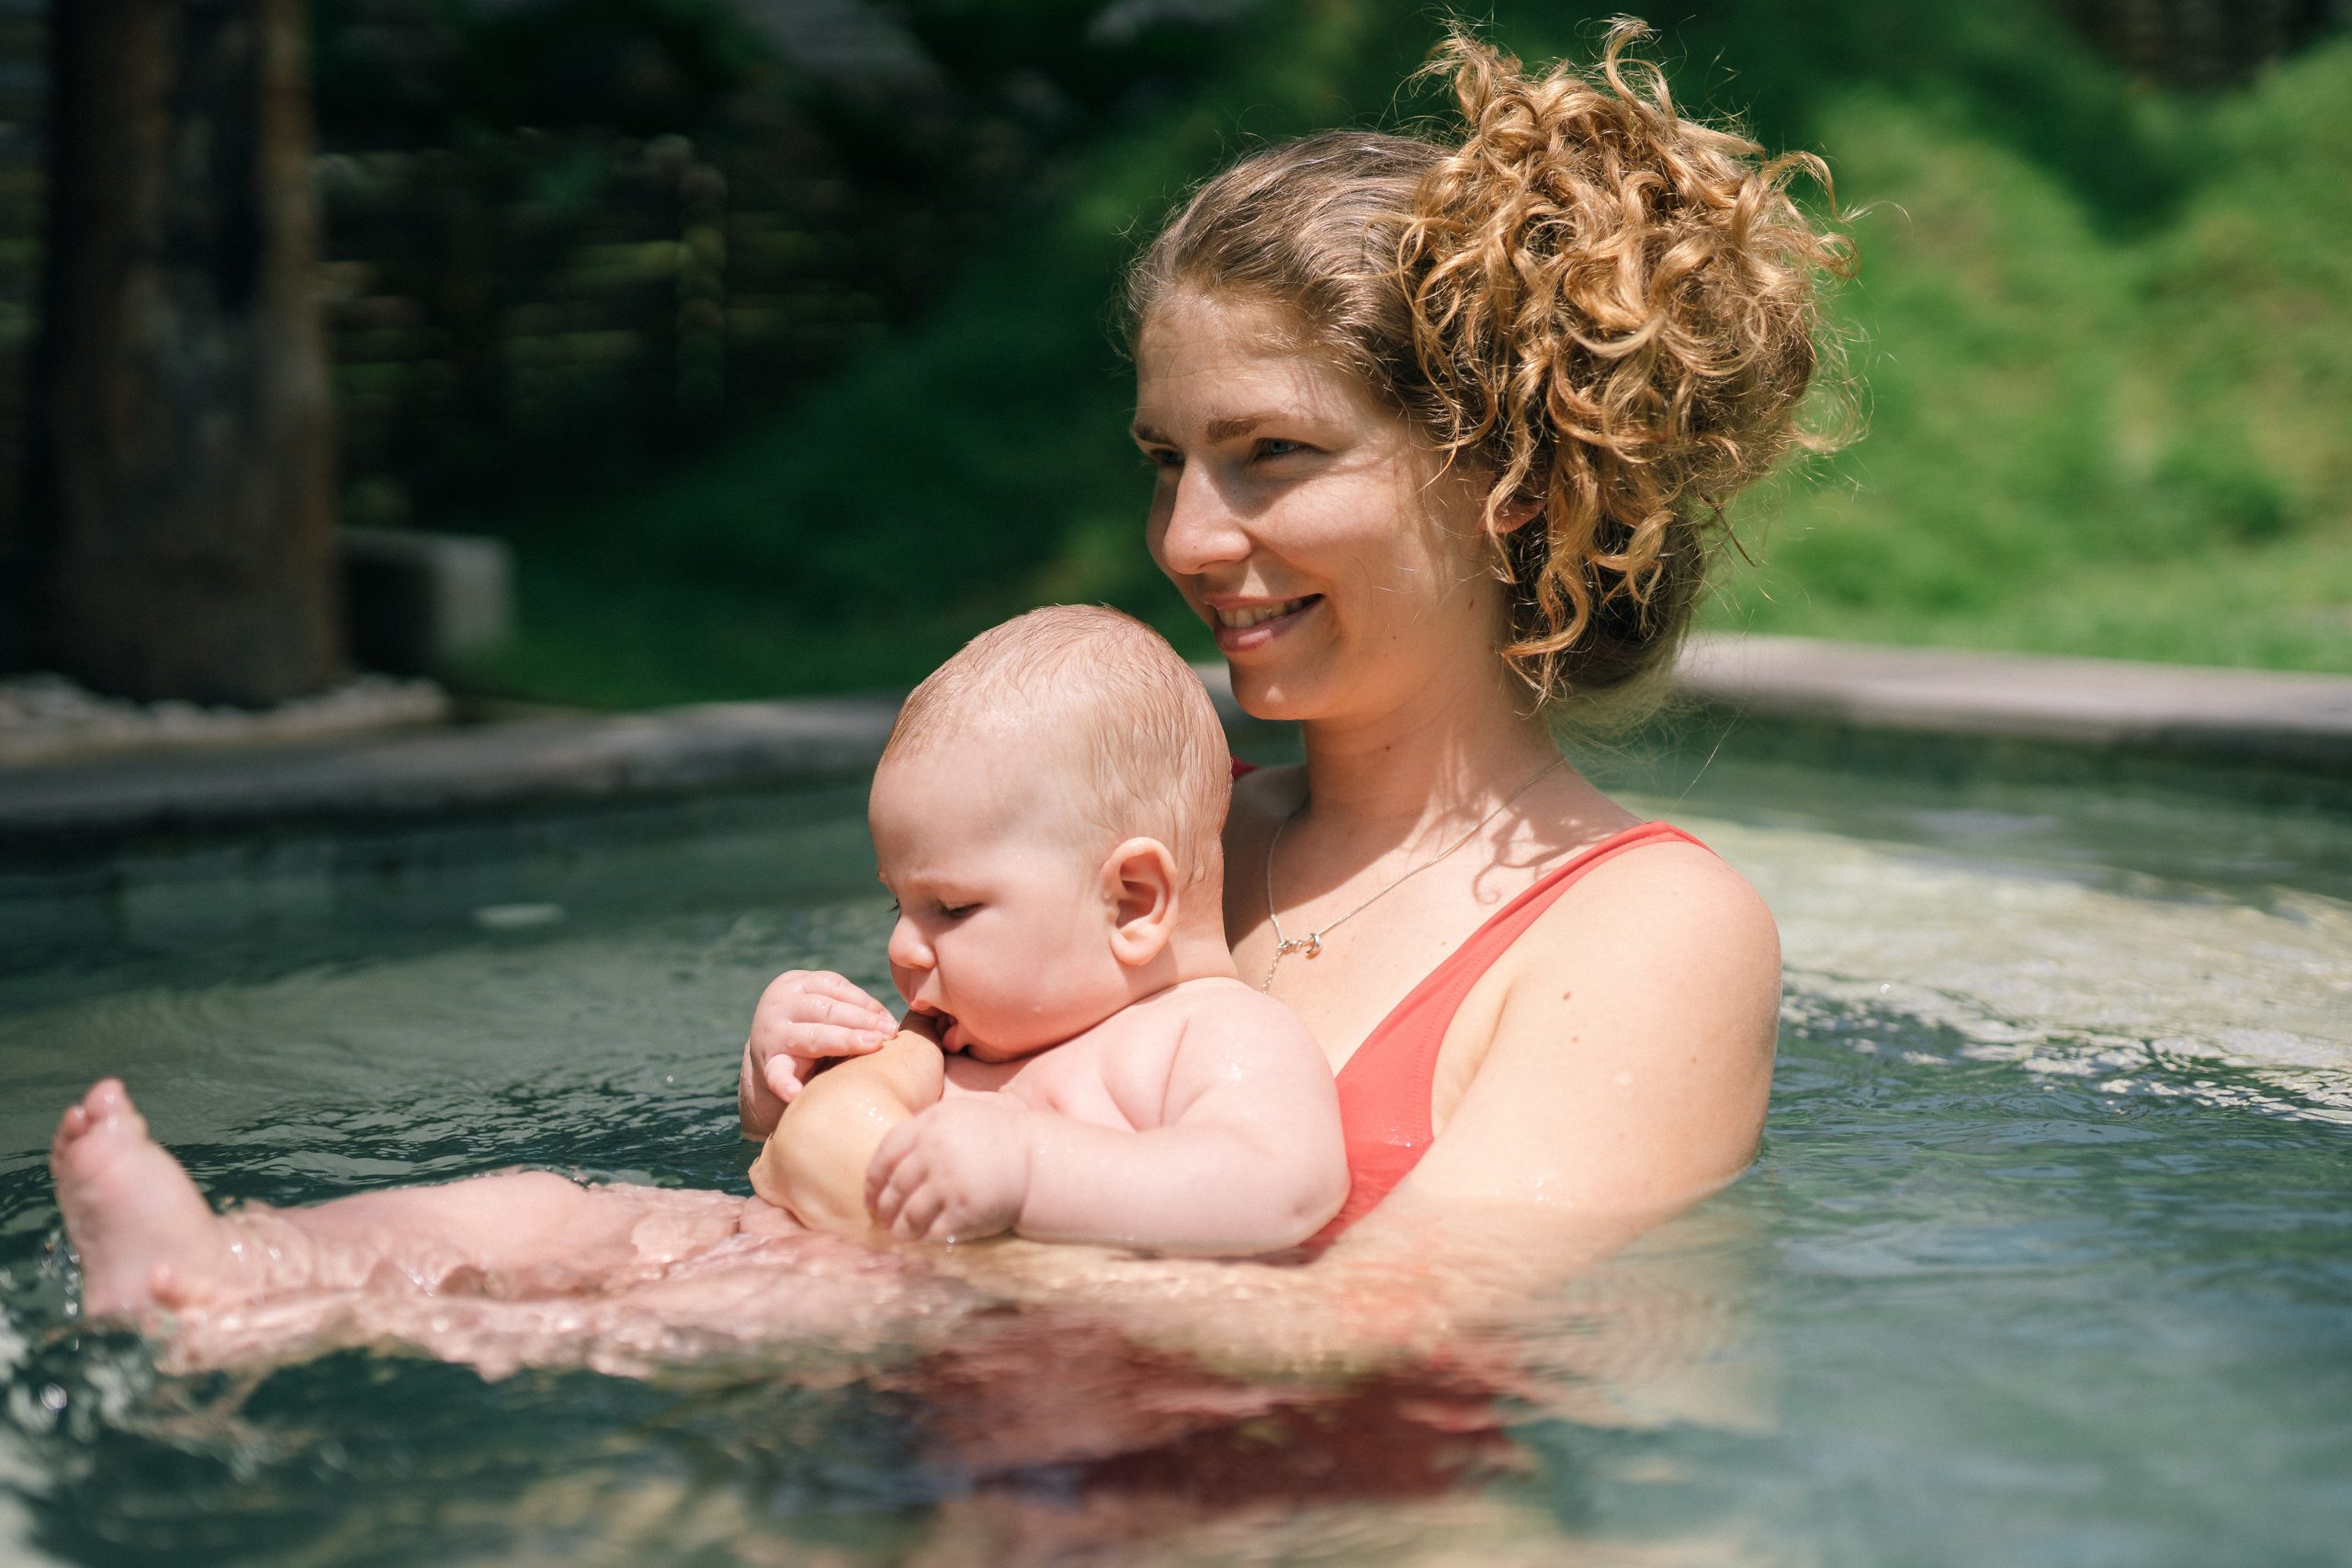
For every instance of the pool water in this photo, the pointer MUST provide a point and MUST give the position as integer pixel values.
(2047, 1258)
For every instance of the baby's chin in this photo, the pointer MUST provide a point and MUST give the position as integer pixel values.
(959, 1040)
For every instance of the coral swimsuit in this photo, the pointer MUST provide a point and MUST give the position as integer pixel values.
(1386, 1088)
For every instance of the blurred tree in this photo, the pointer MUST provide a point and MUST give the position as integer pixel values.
(2204, 43)
(184, 464)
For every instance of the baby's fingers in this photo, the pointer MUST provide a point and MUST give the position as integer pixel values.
(802, 997)
(782, 1076)
(828, 997)
(810, 1040)
(922, 1214)
(889, 1156)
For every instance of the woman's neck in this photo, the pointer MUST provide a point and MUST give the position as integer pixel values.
(1447, 748)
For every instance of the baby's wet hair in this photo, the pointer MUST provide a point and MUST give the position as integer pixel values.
(1102, 703)
(1608, 309)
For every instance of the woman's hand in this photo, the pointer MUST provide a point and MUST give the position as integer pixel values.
(803, 1016)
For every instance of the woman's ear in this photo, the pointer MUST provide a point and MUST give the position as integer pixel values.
(1140, 887)
(1517, 513)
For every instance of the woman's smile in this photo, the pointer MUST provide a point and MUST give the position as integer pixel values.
(1243, 626)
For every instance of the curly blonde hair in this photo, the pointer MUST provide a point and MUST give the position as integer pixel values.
(1608, 308)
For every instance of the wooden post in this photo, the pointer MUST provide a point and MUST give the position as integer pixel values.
(184, 463)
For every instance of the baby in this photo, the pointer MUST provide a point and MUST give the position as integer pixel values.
(1047, 813)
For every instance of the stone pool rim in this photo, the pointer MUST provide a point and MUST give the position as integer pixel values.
(2003, 708)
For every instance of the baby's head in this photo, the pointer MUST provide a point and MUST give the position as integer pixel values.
(1048, 814)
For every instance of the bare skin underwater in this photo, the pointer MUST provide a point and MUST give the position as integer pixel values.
(647, 1278)
(148, 1239)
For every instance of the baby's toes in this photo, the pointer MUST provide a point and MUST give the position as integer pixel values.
(175, 1292)
(108, 1100)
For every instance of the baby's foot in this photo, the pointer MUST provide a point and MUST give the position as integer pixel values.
(146, 1235)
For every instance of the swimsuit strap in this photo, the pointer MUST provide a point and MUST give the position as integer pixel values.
(1386, 1088)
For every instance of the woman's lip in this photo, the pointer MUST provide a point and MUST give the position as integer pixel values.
(1231, 640)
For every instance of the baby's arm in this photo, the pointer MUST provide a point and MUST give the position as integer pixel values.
(1247, 1156)
(814, 1165)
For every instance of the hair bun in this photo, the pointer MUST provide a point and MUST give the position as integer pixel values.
(1616, 306)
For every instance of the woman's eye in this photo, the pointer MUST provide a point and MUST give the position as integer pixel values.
(956, 911)
(1274, 447)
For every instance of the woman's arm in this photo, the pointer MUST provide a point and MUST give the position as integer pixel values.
(1631, 1050)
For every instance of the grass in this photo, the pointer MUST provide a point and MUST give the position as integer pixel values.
(2086, 439)
(2106, 336)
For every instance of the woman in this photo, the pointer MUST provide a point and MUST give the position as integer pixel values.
(1443, 437)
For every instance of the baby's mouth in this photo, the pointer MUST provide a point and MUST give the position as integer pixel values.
(947, 1029)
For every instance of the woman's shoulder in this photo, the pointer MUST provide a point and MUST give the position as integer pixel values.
(1663, 906)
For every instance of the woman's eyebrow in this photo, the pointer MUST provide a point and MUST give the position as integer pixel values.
(1226, 429)
(1217, 429)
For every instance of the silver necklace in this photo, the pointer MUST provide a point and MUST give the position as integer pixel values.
(1311, 943)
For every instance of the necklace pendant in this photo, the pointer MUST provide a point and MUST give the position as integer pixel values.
(1311, 943)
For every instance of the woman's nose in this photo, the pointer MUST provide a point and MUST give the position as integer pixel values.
(1197, 528)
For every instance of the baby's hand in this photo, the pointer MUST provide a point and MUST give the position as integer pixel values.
(956, 1172)
(803, 1015)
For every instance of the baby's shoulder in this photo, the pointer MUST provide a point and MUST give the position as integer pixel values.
(1209, 997)
(1212, 1015)
(1195, 1017)
(1200, 1035)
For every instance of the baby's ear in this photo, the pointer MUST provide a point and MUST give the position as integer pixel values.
(1140, 884)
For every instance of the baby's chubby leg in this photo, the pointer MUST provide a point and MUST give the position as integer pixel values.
(147, 1237)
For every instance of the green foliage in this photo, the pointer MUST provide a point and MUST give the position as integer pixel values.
(2088, 437)
(2105, 335)
(450, 69)
(975, 466)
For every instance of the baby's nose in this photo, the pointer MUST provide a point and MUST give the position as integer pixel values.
(907, 949)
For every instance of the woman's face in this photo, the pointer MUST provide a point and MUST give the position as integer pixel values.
(1305, 523)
